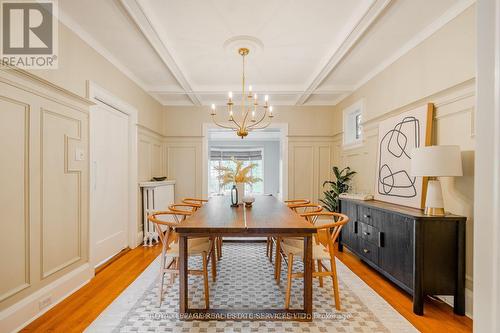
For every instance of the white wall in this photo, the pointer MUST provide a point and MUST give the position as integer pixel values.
(440, 70)
(271, 159)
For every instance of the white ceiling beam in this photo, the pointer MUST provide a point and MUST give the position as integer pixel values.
(139, 17)
(370, 17)
(260, 93)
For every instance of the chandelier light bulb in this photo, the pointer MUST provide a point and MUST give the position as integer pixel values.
(266, 98)
(230, 94)
(250, 88)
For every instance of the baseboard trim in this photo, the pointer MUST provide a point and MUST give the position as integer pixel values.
(468, 302)
(140, 238)
(20, 314)
(110, 260)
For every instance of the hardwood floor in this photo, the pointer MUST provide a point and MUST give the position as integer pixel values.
(76, 312)
(438, 316)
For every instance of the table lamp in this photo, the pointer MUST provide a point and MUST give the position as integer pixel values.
(433, 162)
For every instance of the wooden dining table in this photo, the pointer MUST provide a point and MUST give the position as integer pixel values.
(267, 217)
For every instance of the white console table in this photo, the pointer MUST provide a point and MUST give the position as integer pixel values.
(155, 196)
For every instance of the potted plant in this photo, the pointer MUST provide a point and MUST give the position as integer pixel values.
(237, 175)
(337, 186)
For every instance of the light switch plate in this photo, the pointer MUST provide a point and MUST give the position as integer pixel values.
(79, 154)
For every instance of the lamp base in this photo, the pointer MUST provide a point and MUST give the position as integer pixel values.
(434, 200)
(434, 211)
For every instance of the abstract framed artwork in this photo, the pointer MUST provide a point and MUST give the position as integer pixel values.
(397, 137)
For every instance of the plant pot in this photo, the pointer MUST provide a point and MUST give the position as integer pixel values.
(241, 192)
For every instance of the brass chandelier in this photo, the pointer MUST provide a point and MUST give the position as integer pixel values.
(250, 108)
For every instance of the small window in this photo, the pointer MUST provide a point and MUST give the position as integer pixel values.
(353, 131)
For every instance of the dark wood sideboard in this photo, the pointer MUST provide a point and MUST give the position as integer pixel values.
(424, 255)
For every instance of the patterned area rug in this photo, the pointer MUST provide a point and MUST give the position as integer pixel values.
(245, 279)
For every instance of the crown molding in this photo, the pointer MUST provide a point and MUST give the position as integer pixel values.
(428, 31)
(356, 33)
(71, 24)
(139, 17)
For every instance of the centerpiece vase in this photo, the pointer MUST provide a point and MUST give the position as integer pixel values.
(240, 187)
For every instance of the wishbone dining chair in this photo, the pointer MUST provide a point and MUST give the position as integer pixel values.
(298, 241)
(297, 201)
(170, 249)
(218, 240)
(191, 208)
(270, 240)
(323, 249)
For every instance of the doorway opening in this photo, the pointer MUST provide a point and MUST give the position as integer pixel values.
(266, 149)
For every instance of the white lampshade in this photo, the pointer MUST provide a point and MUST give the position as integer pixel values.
(436, 161)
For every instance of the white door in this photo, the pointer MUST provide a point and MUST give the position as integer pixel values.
(110, 182)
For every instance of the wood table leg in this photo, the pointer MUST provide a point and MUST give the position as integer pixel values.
(183, 276)
(308, 276)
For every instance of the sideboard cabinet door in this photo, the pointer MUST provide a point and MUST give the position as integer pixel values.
(396, 252)
(351, 230)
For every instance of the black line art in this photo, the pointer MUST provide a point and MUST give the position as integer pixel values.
(395, 146)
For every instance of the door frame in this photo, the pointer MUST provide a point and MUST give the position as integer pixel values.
(487, 163)
(283, 127)
(97, 94)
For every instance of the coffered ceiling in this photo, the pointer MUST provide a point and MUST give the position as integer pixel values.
(302, 52)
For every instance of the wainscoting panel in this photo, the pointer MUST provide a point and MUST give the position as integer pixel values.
(310, 164)
(144, 159)
(324, 168)
(14, 195)
(302, 175)
(62, 187)
(183, 161)
(44, 148)
(150, 155)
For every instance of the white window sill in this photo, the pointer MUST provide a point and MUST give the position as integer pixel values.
(353, 145)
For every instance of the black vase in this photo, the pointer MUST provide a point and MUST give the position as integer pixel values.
(234, 196)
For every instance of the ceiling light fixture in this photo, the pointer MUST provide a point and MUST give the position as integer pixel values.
(249, 119)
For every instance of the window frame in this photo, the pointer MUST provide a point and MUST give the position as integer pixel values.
(236, 148)
(350, 125)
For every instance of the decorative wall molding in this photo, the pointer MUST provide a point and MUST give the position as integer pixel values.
(146, 131)
(428, 31)
(56, 265)
(68, 157)
(453, 94)
(31, 83)
(26, 282)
